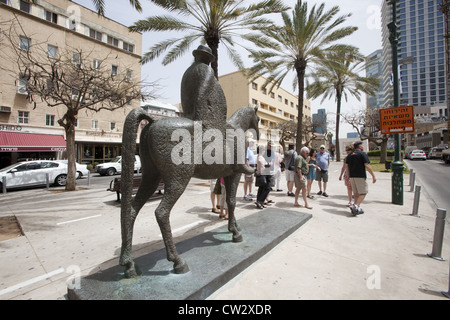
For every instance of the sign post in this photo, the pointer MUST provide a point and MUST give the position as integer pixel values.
(397, 165)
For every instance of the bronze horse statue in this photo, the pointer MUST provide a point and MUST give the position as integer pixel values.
(160, 150)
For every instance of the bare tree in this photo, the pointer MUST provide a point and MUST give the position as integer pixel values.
(367, 124)
(287, 130)
(70, 78)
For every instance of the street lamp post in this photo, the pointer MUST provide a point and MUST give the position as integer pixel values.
(397, 165)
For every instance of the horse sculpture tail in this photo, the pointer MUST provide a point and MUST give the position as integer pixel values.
(128, 157)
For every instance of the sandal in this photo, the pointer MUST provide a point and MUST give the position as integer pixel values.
(310, 197)
(308, 207)
(298, 205)
(349, 204)
(215, 210)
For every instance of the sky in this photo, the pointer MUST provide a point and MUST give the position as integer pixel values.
(365, 15)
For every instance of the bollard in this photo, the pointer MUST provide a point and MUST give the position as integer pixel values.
(89, 178)
(411, 173)
(47, 181)
(413, 181)
(447, 294)
(416, 202)
(4, 185)
(438, 235)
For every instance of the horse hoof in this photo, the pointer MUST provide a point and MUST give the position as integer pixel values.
(237, 238)
(131, 270)
(180, 267)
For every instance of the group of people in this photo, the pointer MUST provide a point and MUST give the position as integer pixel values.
(301, 170)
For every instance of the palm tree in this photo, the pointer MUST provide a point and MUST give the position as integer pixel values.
(339, 76)
(212, 21)
(302, 40)
(100, 6)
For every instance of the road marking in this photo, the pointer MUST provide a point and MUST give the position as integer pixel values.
(186, 227)
(31, 281)
(76, 220)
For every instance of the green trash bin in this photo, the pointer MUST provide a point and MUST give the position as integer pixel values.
(387, 165)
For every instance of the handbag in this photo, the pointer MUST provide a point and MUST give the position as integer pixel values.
(260, 180)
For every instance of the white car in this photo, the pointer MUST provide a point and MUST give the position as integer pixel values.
(33, 173)
(418, 154)
(81, 168)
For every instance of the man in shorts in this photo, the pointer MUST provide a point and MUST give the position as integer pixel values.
(289, 160)
(301, 167)
(357, 163)
(323, 161)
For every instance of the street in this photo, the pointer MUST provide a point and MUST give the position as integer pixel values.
(434, 178)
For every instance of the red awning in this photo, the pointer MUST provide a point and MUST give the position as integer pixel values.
(15, 141)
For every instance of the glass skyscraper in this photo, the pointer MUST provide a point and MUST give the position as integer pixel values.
(421, 53)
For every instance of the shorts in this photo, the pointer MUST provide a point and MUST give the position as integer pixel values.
(300, 184)
(290, 175)
(249, 177)
(359, 185)
(322, 175)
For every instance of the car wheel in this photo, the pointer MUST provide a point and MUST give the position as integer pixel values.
(110, 171)
(61, 180)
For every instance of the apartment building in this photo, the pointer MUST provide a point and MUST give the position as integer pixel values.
(275, 106)
(29, 131)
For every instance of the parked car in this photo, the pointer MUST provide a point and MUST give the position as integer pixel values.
(436, 153)
(418, 154)
(115, 166)
(33, 173)
(81, 168)
(446, 156)
(408, 151)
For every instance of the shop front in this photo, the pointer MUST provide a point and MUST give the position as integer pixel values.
(18, 146)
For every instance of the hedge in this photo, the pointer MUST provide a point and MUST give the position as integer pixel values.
(376, 153)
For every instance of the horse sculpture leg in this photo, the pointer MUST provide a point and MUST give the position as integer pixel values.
(175, 188)
(231, 185)
(148, 186)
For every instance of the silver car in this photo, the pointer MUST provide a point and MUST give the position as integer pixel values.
(33, 173)
(418, 154)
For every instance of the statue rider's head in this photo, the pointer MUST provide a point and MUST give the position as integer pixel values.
(203, 54)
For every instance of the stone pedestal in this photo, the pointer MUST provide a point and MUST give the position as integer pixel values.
(212, 257)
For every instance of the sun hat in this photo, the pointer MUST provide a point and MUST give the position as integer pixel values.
(204, 51)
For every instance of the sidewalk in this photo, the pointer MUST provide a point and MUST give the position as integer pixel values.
(381, 254)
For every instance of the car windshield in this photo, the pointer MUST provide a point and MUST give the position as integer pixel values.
(116, 159)
(417, 151)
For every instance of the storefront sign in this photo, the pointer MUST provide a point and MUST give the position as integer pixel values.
(8, 127)
(397, 120)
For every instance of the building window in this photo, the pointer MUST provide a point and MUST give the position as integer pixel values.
(25, 6)
(264, 90)
(129, 75)
(95, 34)
(254, 86)
(114, 70)
(22, 85)
(50, 120)
(113, 41)
(96, 64)
(280, 98)
(76, 58)
(112, 126)
(272, 95)
(23, 117)
(51, 16)
(128, 47)
(94, 124)
(24, 43)
(4, 1)
(52, 51)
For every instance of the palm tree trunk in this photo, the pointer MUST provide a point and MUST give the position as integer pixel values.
(338, 116)
(301, 92)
